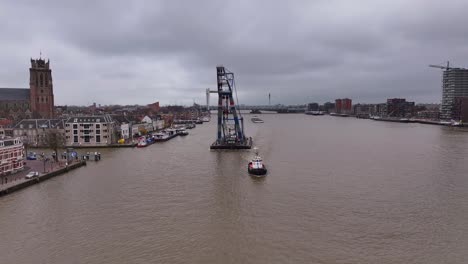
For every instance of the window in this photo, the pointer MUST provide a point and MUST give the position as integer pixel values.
(75, 132)
(42, 99)
(41, 80)
(42, 91)
(75, 139)
(98, 126)
(98, 139)
(37, 99)
(75, 126)
(86, 139)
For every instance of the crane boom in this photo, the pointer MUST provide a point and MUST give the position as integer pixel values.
(446, 67)
(442, 67)
(437, 66)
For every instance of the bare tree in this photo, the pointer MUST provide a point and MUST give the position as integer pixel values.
(55, 140)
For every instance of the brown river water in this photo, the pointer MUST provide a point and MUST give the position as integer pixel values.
(339, 190)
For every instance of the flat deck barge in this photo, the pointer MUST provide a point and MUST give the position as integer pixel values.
(227, 145)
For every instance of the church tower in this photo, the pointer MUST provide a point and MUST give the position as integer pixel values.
(41, 89)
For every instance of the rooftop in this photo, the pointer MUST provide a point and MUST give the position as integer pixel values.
(40, 123)
(14, 94)
(90, 119)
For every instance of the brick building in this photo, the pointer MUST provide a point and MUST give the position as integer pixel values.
(343, 106)
(338, 106)
(11, 156)
(460, 109)
(37, 101)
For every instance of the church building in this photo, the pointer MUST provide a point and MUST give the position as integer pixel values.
(35, 102)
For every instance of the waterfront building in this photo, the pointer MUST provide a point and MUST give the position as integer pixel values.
(346, 106)
(454, 84)
(380, 110)
(90, 131)
(343, 106)
(338, 106)
(37, 101)
(460, 109)
(11, 156)
(142, 128)
(399, 107)
(313, 107)
(123, 124)
(364, 110)
(428, 114)
(328, 106)
(33, 131)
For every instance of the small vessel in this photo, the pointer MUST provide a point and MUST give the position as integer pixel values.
(190, 126)
(142, 143)
(256, 166)
(255, 119)
(182, 132)
(206, 119)
(256, 111)
(317, 113)
(456, 123)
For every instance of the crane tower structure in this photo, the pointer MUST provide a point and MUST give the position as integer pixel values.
(230, 129)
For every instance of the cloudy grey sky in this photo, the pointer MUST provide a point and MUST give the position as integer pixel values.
(130, 52)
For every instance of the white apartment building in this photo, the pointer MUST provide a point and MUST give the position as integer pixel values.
(90, 131)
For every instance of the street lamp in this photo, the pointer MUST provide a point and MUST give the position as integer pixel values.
(45, 161)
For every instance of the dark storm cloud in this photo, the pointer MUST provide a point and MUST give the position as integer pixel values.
(300, 51)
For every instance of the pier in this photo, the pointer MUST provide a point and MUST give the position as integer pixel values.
(19, 184)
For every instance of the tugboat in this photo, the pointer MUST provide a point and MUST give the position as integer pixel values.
(256, 166)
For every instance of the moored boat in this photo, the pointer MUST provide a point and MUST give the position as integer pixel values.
(190, 126)
(182, 132)
(316, 113)
(255, 119)
(142, 143)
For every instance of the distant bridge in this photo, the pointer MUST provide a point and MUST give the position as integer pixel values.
(273, 108)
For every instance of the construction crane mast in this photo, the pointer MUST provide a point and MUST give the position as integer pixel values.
(230, 130)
